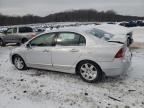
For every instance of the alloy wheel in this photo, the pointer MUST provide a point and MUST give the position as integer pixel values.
(19, 63)
(88, 71)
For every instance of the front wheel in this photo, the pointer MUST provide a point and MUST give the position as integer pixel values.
(2, 43)
(89, 71)
(24, 40)
(19, 63)
(18, 44)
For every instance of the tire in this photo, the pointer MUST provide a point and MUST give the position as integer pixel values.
(89, 71)
(18, 44)
(19, 63)
(2, 43)
(24, 40)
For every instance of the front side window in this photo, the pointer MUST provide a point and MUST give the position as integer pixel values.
(70, 39)
(43, 40)
(10, 31)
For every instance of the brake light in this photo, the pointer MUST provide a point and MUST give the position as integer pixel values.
(120, 53)
(33, 35)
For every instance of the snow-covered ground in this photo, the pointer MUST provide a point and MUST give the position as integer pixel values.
(35, 88)
(138, 34)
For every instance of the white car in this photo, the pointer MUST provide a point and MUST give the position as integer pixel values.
(73, 51)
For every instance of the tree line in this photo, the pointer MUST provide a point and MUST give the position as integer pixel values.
(88, 15)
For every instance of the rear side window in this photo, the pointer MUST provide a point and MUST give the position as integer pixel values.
(82, 40)
(10, 31)
(70, 39)
(25, 29)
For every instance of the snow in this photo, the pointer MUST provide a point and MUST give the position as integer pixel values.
(138, 34)
(35, 88)
(138, 62)
(114, 29)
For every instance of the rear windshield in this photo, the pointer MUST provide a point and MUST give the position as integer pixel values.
(100, 34)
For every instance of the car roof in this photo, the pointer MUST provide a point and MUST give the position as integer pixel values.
(18, 26)
(66, 29)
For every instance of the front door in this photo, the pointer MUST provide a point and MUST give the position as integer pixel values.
(39, 53)
(11, 35)
(8, 35)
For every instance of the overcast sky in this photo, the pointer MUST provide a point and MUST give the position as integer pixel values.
(45, 7)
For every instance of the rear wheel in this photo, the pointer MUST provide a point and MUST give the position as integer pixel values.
(19, 63)
(89, 71)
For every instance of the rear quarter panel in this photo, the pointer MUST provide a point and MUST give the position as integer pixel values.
(102, 55)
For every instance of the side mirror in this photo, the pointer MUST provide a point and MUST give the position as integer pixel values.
(28, 45)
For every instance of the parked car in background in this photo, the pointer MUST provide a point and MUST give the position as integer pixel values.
(19, 35)
(73, 51)
(140, 23)
(132, 23)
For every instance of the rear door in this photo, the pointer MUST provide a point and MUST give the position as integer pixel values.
(67, 50)
(8, 35)
(15, 35)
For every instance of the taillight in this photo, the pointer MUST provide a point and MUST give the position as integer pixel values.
(120, 53)
(33, 35)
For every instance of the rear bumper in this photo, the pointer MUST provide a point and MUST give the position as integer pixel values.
(118, 66)
(117, 70)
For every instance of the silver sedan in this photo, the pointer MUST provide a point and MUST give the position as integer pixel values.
(73, 51)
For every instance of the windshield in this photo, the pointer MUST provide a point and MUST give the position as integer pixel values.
(100, 34)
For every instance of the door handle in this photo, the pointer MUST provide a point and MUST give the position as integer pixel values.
(74, 50)
(45, 50)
